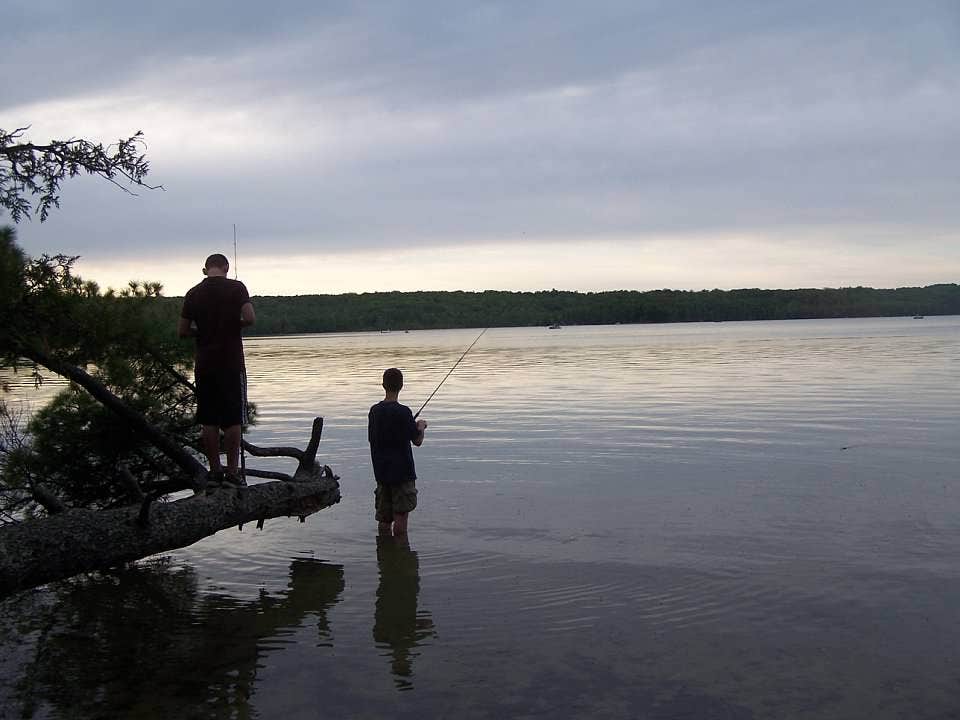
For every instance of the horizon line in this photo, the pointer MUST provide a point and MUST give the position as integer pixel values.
(599, 292)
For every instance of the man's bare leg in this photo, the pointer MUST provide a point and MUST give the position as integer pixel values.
(400, 523)
(231, 443)
(210, 435)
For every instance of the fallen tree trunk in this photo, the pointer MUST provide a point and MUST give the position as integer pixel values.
(73, 541)
(40, 551)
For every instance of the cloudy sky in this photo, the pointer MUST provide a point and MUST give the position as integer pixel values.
(597, 145)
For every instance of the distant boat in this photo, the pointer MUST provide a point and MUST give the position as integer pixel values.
(918, 317)
(555, 326)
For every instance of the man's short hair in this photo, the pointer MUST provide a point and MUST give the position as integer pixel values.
(217, 260)
(392, 380)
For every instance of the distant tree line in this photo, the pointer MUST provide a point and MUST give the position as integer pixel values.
(429, 310)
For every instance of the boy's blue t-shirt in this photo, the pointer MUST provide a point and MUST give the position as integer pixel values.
(390, 430)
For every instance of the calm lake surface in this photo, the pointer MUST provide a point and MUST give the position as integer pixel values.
(722, 520)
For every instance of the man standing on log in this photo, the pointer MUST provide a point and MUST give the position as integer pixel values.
(215, 312)
(390, 430)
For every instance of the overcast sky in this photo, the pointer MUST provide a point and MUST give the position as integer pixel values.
(490, 145)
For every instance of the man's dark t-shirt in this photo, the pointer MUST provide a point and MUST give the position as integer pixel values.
(214, 305)
(390, 430)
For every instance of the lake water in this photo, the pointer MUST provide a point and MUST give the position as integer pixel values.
(722, 520)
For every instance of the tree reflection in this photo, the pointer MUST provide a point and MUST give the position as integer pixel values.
(396, 622)
(143, 642)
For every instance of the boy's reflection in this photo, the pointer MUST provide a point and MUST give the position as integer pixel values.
(396, 622)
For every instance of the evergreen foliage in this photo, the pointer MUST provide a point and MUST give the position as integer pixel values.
(81, 452)
(30, 170)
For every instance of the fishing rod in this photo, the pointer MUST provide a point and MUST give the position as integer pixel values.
(449, 373)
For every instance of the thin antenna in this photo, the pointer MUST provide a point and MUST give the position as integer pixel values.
(243, 451)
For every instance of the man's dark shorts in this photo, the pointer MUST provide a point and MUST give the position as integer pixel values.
(395, 499)
(222, 398)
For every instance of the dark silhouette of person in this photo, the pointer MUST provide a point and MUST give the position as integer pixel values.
(215, 313)
(397, 625)
(391, 429)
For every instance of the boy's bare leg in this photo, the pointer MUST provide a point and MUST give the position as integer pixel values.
(231, 443)
(210, 435)
(400, 523)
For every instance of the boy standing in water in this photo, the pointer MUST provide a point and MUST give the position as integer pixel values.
(390, 430)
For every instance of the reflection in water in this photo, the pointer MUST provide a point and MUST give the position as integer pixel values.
(143, 643)
(396, 623)
(691, 542)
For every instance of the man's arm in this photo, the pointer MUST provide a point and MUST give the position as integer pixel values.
(247, 316)
(185, 329)
(188, 314)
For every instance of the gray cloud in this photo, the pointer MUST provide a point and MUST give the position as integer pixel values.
(376, 124)
(465, 49)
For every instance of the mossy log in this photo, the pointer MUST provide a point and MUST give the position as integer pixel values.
(40, 551)
(73, 541)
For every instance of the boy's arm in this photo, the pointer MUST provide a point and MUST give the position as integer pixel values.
(421, 428)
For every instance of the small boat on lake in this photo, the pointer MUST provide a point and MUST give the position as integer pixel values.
(555, 326)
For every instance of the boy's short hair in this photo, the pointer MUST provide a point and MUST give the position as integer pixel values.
(392, 380)
(217, 260)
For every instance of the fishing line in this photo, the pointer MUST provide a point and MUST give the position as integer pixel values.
(449, 373)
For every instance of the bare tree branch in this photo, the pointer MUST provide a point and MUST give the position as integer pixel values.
(310, 453)
(267, 452)
(268, 474)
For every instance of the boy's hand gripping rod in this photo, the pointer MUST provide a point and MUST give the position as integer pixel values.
(449, 373)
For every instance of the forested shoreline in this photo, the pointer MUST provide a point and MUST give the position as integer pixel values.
(352, 312)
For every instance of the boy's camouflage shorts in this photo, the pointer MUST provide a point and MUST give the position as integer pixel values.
(392, 499)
